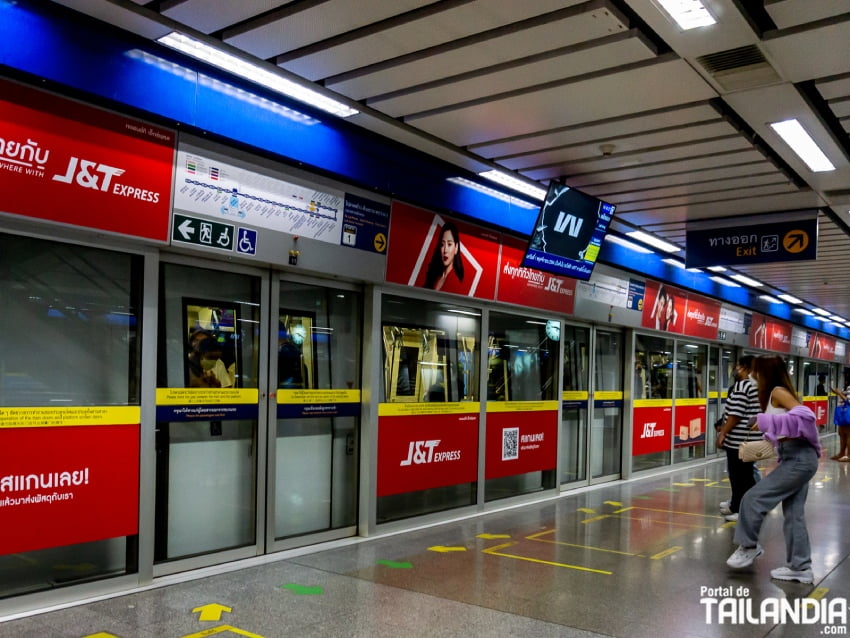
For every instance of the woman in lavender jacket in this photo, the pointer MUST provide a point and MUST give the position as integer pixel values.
(792, 428)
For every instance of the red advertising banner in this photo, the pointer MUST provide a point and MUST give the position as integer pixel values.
(821, 346)
(702, 317)
(437, 252)
(770, 334)
(820, 409)
(651, 429)
(519, 442)
(689, 428)
(68, 162)
(664, 307)
(423, 451)
(80, 484)
(530, 287)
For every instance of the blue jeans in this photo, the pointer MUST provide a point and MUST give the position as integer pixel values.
(787, 484)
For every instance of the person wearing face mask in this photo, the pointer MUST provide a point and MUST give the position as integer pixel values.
(742, 404)
(206, 369)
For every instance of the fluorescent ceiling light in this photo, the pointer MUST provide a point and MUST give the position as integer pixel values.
(717, 268)
(790, 298)
(819, 318)
(464, 312)
(255, 73)
(462, 181)
(747, 281)
(688, 14)
(513, 182)
(803, 311)
(821, 311)
(674, 262)
(725, 282)
(837, 318)
(803, 145)
(652, 240)
(628, 244)
(769, 299)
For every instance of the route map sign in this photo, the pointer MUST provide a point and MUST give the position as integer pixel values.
(790, 240)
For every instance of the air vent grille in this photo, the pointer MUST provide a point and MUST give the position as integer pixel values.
(739, 69)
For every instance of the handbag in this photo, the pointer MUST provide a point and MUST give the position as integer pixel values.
(758, 450)
(841, 416)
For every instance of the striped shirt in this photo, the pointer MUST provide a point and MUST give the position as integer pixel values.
(743, 402)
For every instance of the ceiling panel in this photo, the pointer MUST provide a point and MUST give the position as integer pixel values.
(539, 87)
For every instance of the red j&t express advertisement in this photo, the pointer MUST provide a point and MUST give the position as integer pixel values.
(702, 317)
(651, 429)
(71, 163)
(521, 438)
(423, 451)
(664, 308)
(437, 252)
(74, 485)
(770, 334)
(530, 287)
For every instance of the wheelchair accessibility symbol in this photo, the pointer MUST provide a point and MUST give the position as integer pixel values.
(246, 241)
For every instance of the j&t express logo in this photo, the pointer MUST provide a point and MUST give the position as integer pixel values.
(421, 452)
(97, 176)
(649, 431)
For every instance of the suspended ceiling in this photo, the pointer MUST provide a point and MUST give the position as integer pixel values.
(609, 95)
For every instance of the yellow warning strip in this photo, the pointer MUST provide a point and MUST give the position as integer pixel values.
(664, 522)
(494, 552)
(650, 509)
(222, 629)
(536, 537)
(666, 552)
(594, 519)
(817, 593)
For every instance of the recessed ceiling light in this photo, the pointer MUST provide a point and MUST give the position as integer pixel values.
(513, 182)
(769, 299)
(803, 311)
(652, 240)
(803, 145)
(747, 281)
(674, 262)
(717, 269)
(688, 14)
(725, 282)
(616, 239)
(790, 298)
(492, 192)
(821, 311)
(233, 64)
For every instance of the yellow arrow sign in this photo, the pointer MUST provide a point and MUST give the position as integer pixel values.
(102, 634)
(614, 503)
(212, 611)
(586, 510)
(443, 549)
(489, 537)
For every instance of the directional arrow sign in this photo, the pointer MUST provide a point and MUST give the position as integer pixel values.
(444, 549)
(395, 565)
(203, 232)
(493, 536)
(211, 611)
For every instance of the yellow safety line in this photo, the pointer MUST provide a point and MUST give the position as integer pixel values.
(653, 520)
(666, 552)
(493, 551)
(652, 509)
(818, 593)
(594, 519)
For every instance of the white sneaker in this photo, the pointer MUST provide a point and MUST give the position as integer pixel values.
(732, 518)
(724, 505)
(744, 556)
(786, 573)
(725, 510)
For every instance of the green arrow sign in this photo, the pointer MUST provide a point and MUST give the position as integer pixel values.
(302, 590)
(202, 232)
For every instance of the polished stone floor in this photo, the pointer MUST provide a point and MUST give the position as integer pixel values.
(632, 559)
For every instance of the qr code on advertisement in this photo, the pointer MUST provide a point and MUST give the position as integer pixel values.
(510, 444)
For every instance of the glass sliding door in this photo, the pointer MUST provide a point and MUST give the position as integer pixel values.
(207, 411)
(607, 424)
(574, 403)
(317, 409)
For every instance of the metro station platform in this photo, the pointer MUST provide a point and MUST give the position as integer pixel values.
(636, 558)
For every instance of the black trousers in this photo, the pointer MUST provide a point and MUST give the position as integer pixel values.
(741, 477)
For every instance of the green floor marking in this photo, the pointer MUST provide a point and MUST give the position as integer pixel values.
(302, 590)
(395, 565)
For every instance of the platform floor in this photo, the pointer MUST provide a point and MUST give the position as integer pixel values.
(631, 559)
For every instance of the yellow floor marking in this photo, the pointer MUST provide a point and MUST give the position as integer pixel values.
(211, 611)
(493, 536)
(666, 552)
(614, 503)
(819, 592)
(102, 634)
(624, 509)
(586, 510)
(444, 549)
(223, 628)
(728, 525)
(594, 519)
(702, 480)
(536, 537)
(652, 520)
(652, 509)
(684, 484)
(494, 552)
(712, 484)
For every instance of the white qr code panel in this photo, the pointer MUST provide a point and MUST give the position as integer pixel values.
(510, 444)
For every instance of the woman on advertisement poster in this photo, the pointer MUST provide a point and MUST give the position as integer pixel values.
(445, 270)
